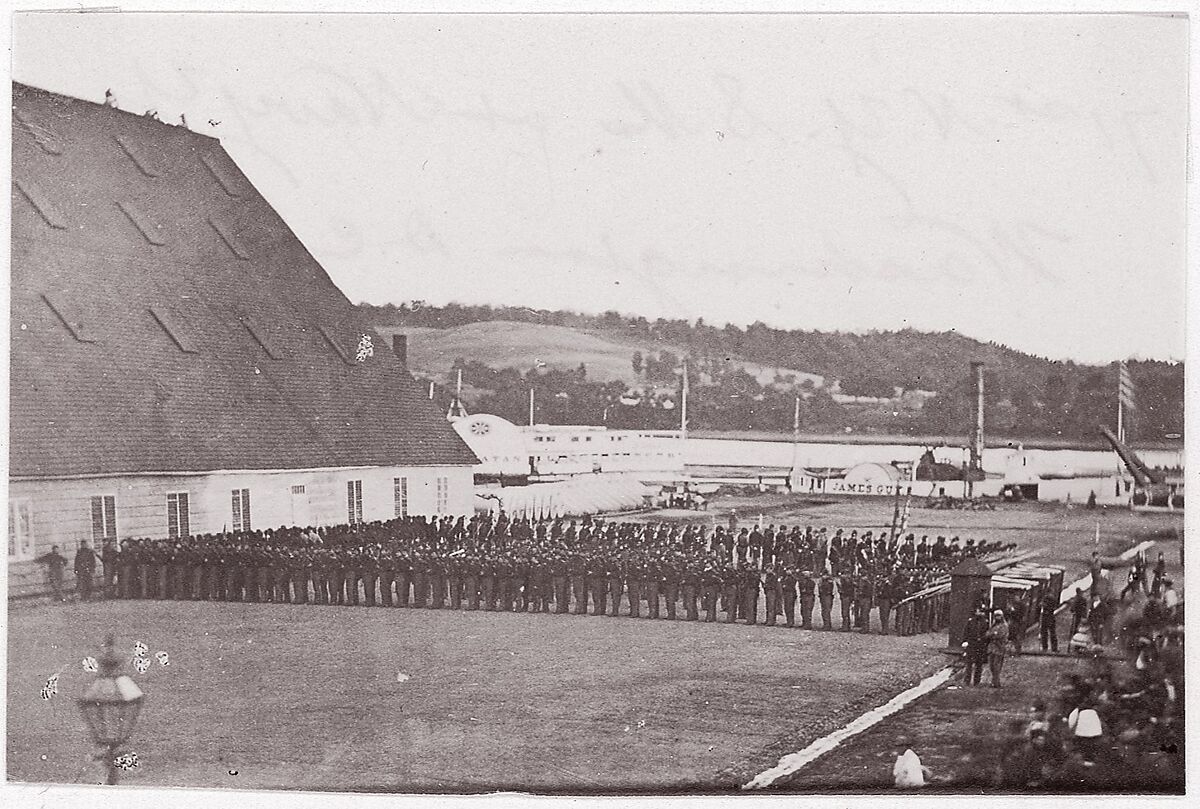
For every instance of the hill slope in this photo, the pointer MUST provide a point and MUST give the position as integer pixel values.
(505, 344)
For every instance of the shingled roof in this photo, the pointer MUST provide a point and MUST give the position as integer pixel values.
(166, 319)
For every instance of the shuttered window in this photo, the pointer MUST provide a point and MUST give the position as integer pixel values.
(104, 517)
(354, 501)
(177, 515)
(401, 496)
(443, 495)
(20, 530)
(241, 510)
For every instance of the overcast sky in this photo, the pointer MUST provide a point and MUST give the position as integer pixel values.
(1019, 178)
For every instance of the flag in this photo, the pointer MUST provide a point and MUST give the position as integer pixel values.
(1125, 389)
(1097, 535)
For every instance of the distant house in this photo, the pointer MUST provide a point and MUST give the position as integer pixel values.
(179, 362)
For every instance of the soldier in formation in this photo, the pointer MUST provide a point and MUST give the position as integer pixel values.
(588, 566)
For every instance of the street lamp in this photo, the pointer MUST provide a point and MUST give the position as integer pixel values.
(110, 706)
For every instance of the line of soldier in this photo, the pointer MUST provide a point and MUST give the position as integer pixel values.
(551, 566)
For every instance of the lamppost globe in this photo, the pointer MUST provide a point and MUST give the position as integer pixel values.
(110, 706)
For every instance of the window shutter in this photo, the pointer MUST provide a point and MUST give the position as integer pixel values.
(110, 516)
(237, 510)
(97, 518)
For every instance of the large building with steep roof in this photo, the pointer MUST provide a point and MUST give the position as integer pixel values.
(180, 363)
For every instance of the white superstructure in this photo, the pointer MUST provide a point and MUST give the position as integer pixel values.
(553, 451)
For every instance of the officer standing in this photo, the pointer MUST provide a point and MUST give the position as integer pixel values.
(773, 590)
(404, 578)
(1049, 622)
(369, 567)
(846, 591)
(866, 594)
(577, 568)
(825, 594)
(750, 589)
(487, 581)
(615, 570)
(109, 557)
(420, 580)
(470, 577)
(671, 582)
(975, 644)
(808, 597)
(387, 574)
(690, 589)
(85, 568)
(301, 572)
(710, 583)
(597, 581)
(884, 595)
(559, 581)
(652, 586)
(731, 580)
(634, 575)
(788, 580)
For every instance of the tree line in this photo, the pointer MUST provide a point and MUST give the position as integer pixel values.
(1026, 396)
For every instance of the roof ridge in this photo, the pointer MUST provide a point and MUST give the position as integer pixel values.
(61, 97)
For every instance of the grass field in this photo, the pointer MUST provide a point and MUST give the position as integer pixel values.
(306, 697)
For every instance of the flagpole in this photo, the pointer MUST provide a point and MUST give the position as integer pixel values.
(683, 408)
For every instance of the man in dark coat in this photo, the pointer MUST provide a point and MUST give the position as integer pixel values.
(731, 590)
(825, 595)
(597, 583)
(788, 580)
(615, 571)
(1016, 623)
(1049, 622)
(671, 579)
(975, 642)
(85, 568)
(751, 584)
(846, 590)
(110, 558)
(808, 599)
(710, 587)
(773, 590)
(55, 563)
(690, 590)
(884, 595)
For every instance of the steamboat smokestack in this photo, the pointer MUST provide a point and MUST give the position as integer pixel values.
(976, 466)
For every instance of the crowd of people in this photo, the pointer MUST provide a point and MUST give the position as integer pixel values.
(1117, 725)
(580, 566)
